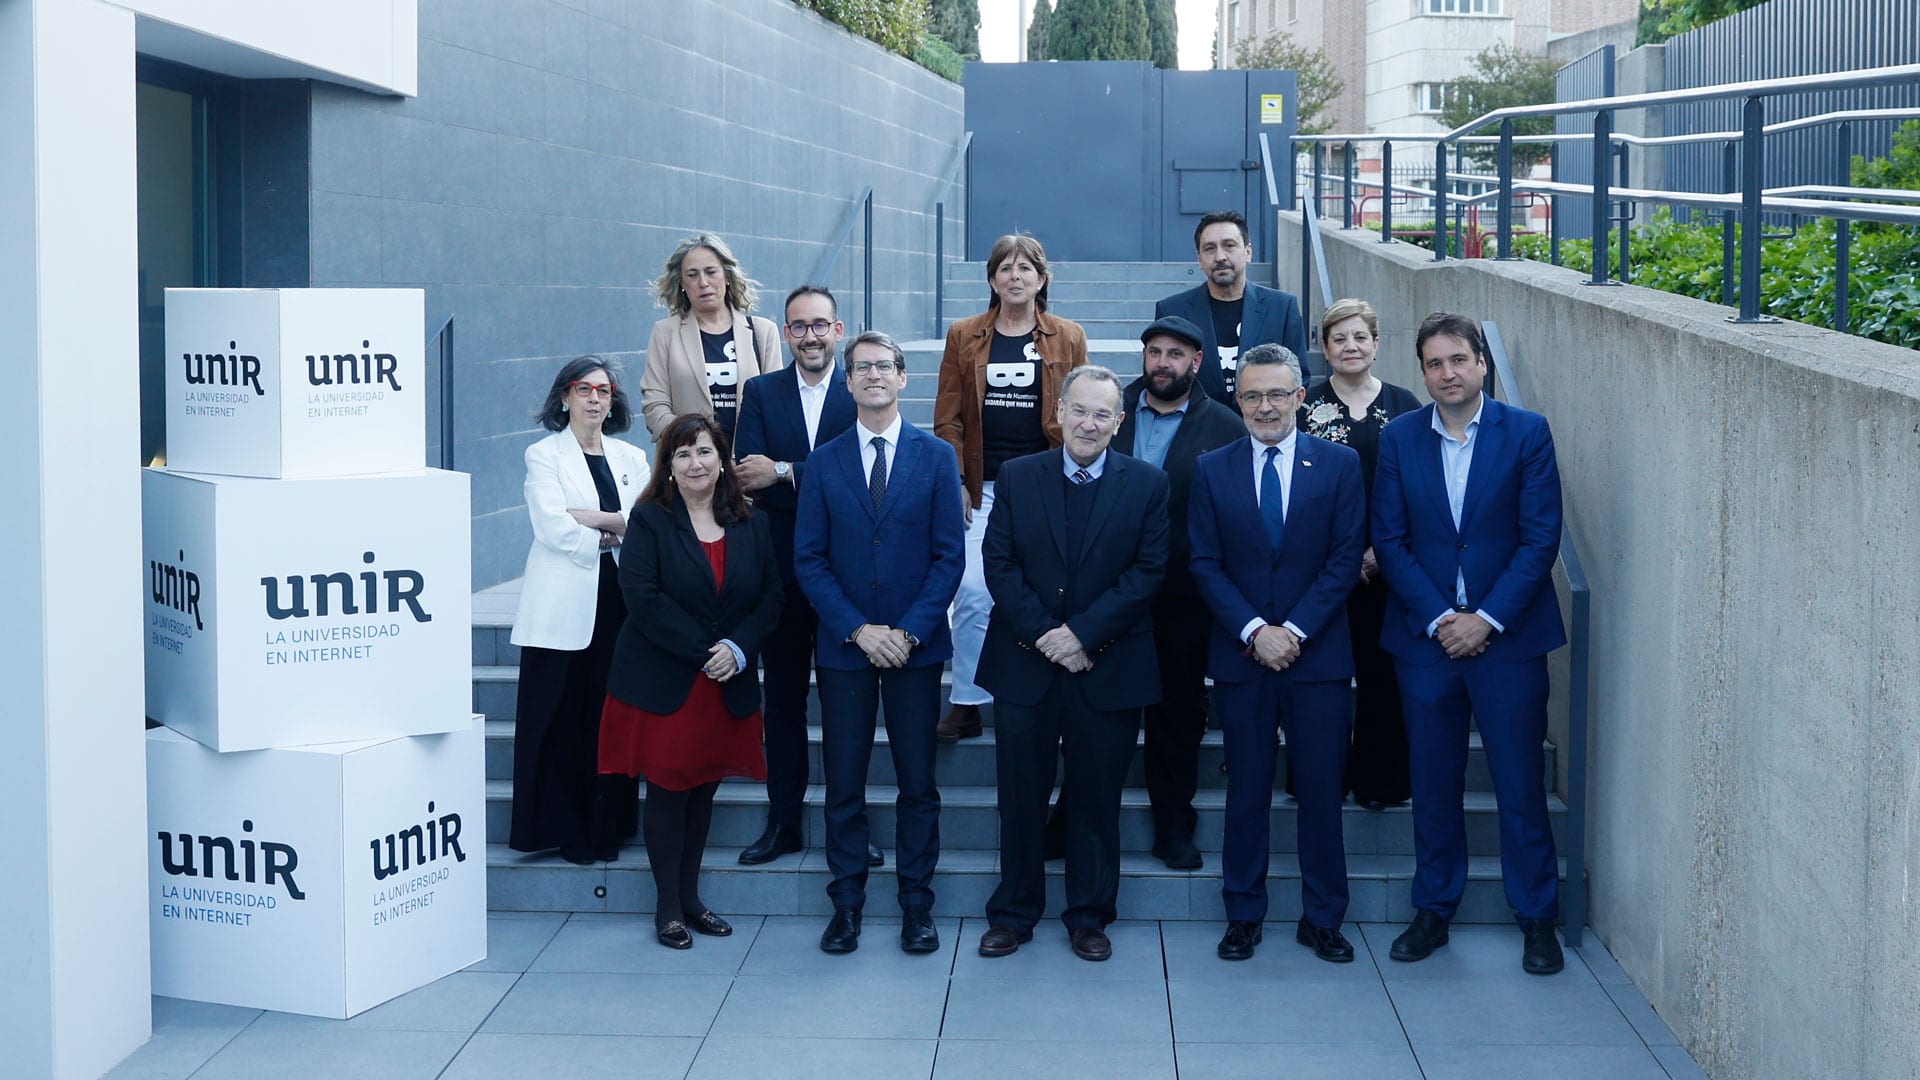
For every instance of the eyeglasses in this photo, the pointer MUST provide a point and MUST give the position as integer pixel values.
(1079, 414)
(818, 328)
(1252, 398)
(591, 390)
(884, 367)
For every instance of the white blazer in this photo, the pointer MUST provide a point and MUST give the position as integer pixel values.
(559, 591)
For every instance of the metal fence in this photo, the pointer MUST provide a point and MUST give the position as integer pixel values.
(1781, 39)
(1587, 78)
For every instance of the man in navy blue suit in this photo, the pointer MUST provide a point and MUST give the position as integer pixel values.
(1277, 522)
(784, 414)
(1466, 528)
(1233, 314)
(1075, 552)
(879, 546)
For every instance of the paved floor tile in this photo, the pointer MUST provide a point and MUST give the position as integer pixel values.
(185, 1035)
(790, 945)
(814, 1059)
(1559, 1062)
(338, 1053)
(965, 1059)
(1640, 1014)
(458, 1002)
(556, 1003)
(1191, 955)
(514, 938)
(1044, 1009)
(1298, 1061)
(850, 1005)
(593, 942)
(1136, 955)
(1566, 1010)
(1477, 954)
(1350, 1007)
(573, 1057)
(1679, 1066)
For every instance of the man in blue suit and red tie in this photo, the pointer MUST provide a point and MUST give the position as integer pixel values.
(1277, 521)
(879, 547)
(1466, 528)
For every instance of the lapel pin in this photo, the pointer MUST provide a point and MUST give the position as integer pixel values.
(1306, 463)
(623, 480)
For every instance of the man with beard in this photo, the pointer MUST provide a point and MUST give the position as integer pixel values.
(1233, 314)
(1167, 425)
(784, 414)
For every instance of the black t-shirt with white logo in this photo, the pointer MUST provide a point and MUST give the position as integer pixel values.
(1010, 412)
(1226, 337)
(723, 377)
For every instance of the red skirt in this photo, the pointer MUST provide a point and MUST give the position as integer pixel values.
(699, 743)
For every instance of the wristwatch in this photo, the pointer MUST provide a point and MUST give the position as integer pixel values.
(782, 470)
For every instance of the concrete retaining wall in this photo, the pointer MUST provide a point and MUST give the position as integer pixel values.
(1746, 499)
(558, 150)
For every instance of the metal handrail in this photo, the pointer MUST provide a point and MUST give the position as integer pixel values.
(1579, 642)
(1732, 200)
(1622, 137)
(444, 335)
(862, 201)
(960, 157)
(1314, 258)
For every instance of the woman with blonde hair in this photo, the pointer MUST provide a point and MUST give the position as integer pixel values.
(709, 344)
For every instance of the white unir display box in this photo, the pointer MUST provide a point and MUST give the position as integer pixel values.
(288, 612)
(296, 382)
(318, 879)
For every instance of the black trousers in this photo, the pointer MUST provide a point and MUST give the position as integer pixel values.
(1029, 742)
(1377, 770)
(1181, 625)
(787, 665)
(849, 704)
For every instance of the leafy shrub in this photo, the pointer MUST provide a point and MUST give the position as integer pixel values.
(938, 57)
(898, 25)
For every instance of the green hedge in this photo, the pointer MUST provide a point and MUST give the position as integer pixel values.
(899, 25)
(937, 56)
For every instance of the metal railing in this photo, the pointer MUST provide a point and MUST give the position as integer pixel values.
(860, 210)
(1745, 201)
(962, 154)
(1573, 896)
(444, 336)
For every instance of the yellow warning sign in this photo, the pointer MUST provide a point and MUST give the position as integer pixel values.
(1273, 108)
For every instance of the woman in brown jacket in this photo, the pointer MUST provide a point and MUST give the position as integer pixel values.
(999, 392)
(710, 344)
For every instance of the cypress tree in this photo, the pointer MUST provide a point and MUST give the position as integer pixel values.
(1099, 30)
(956, 22)
(1037, 30)
(1163, 34)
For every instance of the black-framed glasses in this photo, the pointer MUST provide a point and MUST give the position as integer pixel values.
(818, 328)
(884, 367)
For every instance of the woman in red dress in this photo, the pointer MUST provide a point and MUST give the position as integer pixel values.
(683, 697)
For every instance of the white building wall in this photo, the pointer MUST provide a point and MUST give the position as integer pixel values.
(1407, 47)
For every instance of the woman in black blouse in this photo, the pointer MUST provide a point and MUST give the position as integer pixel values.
(1350, 408)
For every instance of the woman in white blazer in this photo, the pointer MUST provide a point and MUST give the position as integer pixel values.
(708, 346)
(581, 483)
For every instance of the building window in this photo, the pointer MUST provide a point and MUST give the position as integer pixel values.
(1233, 23)
(1273, 15)
(1462, 7)
(1430, 97)
(1293, 11)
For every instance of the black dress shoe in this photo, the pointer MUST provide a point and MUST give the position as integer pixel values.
(843, 931)
(1542, 955)
(917, 934)
(1426, 933)
(710, 924)
(1003, 941)
(610, 853)
(674, 935)
(1328, 945)
(876, 857)
(578, 854)
(778, 840)
(1238, 942)
(1090, 943)
(1179, 854)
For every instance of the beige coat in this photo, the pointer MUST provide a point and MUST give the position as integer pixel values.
(675, 379)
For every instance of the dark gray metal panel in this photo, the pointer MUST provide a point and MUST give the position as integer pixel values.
(1779, 39)
(1591, 76)
(1058, 150)
(1260, 213)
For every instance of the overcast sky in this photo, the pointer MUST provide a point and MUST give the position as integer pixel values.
(999, 39)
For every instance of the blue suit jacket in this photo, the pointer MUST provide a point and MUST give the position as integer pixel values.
(771, 423)
(1305, 581)
(1508, 539)
(1267, 315)
(899, 567)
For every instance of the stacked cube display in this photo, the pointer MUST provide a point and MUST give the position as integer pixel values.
(308, 644)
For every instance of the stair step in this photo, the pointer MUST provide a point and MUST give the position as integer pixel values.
(970, 818)
(796, 885)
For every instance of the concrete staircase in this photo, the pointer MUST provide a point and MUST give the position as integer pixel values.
(1379, 843)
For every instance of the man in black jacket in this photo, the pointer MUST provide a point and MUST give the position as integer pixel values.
(1168, 425)
(1075, 550)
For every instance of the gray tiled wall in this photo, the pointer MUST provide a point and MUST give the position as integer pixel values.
(558, 150)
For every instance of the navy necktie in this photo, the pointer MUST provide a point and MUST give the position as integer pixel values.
(1082, 476)
(1271, 510)
(877, 480)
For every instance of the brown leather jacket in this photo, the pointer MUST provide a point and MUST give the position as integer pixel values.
(963, 386)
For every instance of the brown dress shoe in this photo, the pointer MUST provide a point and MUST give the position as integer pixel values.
(961, 722)
(1003, 941)
(1090, 943)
